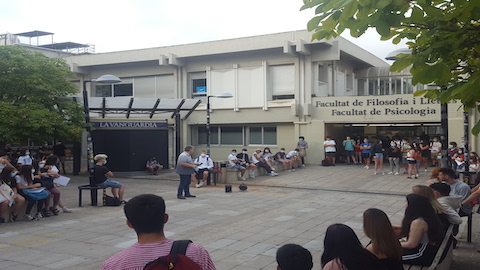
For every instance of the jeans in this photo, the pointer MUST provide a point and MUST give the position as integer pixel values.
(264, 166)
(184, 186)
(394, 164)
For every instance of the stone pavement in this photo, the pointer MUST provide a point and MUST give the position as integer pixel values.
(241, 230)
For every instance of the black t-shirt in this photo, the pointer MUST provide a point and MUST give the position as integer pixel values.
(280, 155)
(244, 157)
(99, 173)
(59, 150)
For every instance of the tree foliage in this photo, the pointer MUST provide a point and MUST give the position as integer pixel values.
(443, 35)
(33, 106)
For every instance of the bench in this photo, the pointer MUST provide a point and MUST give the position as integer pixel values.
(232, 172)
(446, 248)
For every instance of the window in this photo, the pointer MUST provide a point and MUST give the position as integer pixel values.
(238, 135)
(199, 87)
(118, 90)
(282, 81)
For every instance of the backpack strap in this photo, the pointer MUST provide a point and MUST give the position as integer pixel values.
(179, 247)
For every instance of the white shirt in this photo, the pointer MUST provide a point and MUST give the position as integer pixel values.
(231, 158)
(207, 162)
(292, 153)
(435, 147)
(24, 160)
(330, 146)
(256, 157)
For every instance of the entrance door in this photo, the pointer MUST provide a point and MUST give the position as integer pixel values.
(129, 150)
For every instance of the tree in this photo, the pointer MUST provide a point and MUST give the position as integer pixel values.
(33, 106)
(443, 35)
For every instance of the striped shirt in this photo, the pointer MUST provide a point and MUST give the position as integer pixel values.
(138, 255)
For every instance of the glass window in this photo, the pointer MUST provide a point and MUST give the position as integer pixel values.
(255, 135)
(407, 86)
(199, 87)
(270, 135)
(361, 87)
(202, 135)
(123, 90)
(231, 135)
(103, 90)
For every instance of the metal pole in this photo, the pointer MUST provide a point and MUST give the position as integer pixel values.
(90, 162)
(444, 139)
(466, 131)
(208, 125)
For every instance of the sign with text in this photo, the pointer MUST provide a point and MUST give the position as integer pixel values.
(379, 108)
(129, 124)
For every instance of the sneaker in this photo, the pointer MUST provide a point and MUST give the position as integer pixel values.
(426, 170)
(417, 175)
(374, 173)
(293, 170)
(197, 185)
(366, 167)
(46, 213)
(303, 165)
(28, 217)
(39, 216)
(383, 173)
(273, 174)
(390, 173)
(397, 173)
(190, 196)
(13, 217)
(54, 211)
(252, 175)
(239, 174)
(273, 169)
(181, 197)
(123, 202)
(67, 210)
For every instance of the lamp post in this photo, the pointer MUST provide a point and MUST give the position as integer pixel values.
(110, 79)
(220, 95)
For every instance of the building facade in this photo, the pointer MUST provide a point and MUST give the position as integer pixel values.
(284, 86)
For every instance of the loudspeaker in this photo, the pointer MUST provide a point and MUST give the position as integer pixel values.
(228, 188)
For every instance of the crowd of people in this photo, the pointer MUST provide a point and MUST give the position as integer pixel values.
(29, 178)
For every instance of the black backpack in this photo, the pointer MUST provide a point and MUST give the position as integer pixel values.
(176, 260)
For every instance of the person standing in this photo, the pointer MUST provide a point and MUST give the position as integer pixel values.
(366, 146)
(302, 145)
(59, 151)
(349, 145)
(185, 169)
(425, 153)
(377, 154)
(330, 150)
(394, 155)
(435, 152)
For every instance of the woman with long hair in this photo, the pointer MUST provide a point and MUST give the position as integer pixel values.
(24, 180)
(384, 245)
(7, 176)
(343, 250)
(394, 155)
(423, 231)
(50, 169)
(411, 161)
(377, 155)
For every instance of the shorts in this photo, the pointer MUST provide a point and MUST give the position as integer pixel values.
(330, 154)
(365, 155)
(378, 155)
(411, 161)
(349, 153)
(404, 160)
(109, 183)
(236, 166)
(199, 173)
(433, 156)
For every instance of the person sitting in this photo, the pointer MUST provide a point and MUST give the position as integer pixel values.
(7, 176)
(294, 257)
(282, 158)
(457, 187)
(451, 204)
(268, 157)
(102, 174)
(153, 166)
(259, 161)
(235, 163)
(421, 231)
(24, 180)
(146, 215)
(245, 162)
(343, 250)
(24, 158)
(4, 161)
(203, 170)
(384, 244)
(294, 157)
(50, 169)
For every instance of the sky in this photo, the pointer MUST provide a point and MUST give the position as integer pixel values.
(136, 24)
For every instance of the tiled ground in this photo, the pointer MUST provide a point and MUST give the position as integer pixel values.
(241, 230)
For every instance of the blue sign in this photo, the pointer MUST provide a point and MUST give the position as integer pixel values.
(129, 124)
(201, 89)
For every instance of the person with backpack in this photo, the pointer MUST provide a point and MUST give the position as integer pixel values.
(146, 215)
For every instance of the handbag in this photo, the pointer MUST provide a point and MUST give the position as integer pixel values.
(6, 191)
(302, 152)
(46, 181)
(35, 194)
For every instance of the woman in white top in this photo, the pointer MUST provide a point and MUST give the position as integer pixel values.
(24, 180)
(267, 156)
(24, 158)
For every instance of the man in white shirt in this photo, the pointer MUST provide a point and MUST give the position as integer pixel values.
(330, 150)
(203, 169)
(235, 163)
(259, 161)
(294, 156)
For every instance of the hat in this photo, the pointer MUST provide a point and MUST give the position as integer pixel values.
(258, 149)
(442, 188)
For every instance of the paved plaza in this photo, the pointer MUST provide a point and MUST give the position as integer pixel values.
(240, 230)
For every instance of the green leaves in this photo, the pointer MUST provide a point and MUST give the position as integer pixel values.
(443, 35)
(30, 84)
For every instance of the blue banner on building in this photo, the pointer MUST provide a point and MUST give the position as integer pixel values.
(129, 124)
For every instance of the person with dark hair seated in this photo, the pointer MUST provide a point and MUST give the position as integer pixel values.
(294, 257)
(421, 230)
(457, 188)
(384, 244)
(146, 215)
(343, 250)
